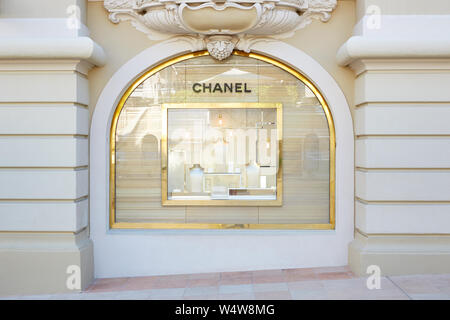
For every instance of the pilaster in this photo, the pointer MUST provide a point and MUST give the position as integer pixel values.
(44, 128)
(401, 59)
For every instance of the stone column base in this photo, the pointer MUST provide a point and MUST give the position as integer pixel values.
(400, 254)
(36, 263)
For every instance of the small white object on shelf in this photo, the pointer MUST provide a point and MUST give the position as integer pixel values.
(252, 171)
(196, 178)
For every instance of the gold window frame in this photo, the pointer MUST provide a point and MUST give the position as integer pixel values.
(225, 105)
(302, 226)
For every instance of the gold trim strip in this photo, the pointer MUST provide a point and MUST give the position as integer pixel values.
(139, 225)
(124, 225)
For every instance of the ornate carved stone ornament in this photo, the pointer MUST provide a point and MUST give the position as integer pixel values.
(219, 25)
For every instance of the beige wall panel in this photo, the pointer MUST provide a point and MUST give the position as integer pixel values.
(43, 86)
(332, 35)
(106, 33)
(402, 87)
(417, 218)
(43, 151)
(412, 119)
(403, 185)
(43, 183)
(403, 152)
(43, 215)
(233, 215)
(43, 119)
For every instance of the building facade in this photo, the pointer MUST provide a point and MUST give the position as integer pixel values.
(145, 137)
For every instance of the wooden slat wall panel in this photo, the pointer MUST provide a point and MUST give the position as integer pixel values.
(231, 215)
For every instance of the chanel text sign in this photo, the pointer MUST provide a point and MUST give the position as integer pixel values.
(237, 87)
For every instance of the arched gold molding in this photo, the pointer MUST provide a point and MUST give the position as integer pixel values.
(136, 225)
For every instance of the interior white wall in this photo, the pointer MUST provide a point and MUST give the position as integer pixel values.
(151, 252)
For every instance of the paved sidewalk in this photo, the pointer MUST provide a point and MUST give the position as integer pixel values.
(296, 284)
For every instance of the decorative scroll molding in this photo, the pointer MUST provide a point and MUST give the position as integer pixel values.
(234, 20)
(220, 47)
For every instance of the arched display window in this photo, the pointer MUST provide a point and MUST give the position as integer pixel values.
(198, 143)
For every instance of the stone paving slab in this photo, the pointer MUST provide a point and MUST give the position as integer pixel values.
(337, 283)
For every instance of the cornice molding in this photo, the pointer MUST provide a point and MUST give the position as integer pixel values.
(358, 47)
(398, 37)
(219, 26)
(81, 48)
